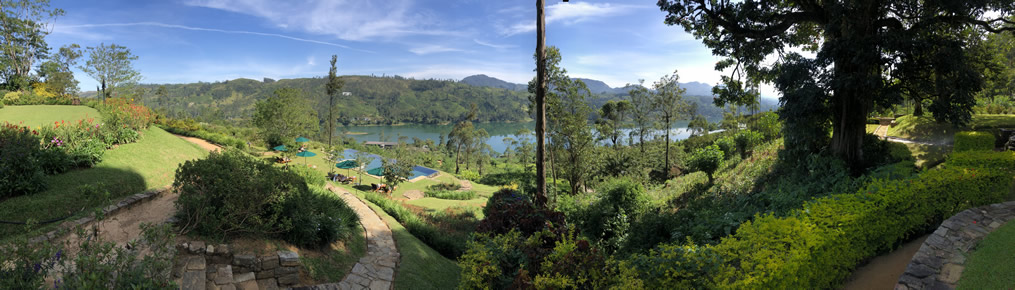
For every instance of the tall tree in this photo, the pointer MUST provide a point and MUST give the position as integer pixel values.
(540, 103)
(57, 70)
(642, 111)
(333, 87)
(612, 116)
(24, 25)
(669, 99)
(162, 96)
(860, 44)
(285, 115)
(567, 118)
(462, 136)
(112, 66)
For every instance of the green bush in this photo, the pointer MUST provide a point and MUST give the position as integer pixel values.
(746, 140)
(449, 245)
(727, 144)
(768, 125)
(606, 220)
(98, 264)
(818, 246)
(973, 140)
(319, 217)
(469, 175)
(449, 195)
(20, 170)
(310, 175)
(707, 160)
(992, 160)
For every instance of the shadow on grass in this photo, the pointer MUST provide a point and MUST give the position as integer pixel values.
(64, 197)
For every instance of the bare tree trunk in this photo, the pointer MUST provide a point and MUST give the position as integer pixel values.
(540, 105)
(666, 168)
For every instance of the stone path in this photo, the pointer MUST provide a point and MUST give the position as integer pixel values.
(375, 270)
(940, 261)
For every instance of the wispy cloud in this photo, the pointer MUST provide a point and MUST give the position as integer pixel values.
(570, 13)
(497, 46)
(431, 48)
(73, 27)
(345, 19)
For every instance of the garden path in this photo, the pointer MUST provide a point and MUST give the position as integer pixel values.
(200, 142)
(376, 270)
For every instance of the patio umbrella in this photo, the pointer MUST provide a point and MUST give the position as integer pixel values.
(348, 164)
(379, 171)
(305, 154)
(302, 140)
(279, 148)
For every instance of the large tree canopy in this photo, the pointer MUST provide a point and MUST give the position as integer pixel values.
(867, 51)
(23, 26)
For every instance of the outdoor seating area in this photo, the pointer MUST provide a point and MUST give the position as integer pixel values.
(335, 177)
(383, 188)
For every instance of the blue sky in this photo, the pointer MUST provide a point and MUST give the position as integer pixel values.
(180, 41)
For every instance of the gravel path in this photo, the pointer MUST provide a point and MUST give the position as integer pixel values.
(376, 270)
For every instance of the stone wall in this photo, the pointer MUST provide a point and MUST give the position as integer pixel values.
(202, 266)
(942, 257)
(125, 203)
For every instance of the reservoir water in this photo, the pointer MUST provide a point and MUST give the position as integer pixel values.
(498, 132)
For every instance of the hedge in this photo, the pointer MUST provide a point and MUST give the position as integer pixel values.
(447, 194)
(819, 245)
(449, 245)
(973, 140)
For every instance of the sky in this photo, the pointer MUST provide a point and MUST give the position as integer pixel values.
(183, 41)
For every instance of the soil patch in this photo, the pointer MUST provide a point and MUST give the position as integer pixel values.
(201, 143)
(125, 225)
(883, 272)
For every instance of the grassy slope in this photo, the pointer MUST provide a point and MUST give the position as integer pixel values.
(125, 170)
(926, 129)
(35, 116)
(990, 266)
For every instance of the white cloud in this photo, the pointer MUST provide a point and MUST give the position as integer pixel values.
(570, 13)
(432, 48)
(75, 28)
(491, 45)
(345, 19)
(311, 61)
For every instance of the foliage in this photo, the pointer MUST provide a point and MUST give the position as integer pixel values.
(728, 145)
(112, 66)
(768, 125)
(26, 267)
(146, 263)
(469, 175)
(20, 171)
(259, 200)
(285, 115)
(671, 106)
(846, 79)
(612, 116)
(983, 159)
(447, 194)
(746, 140)
(125, 113)
(973, 140)
(605, 220)
(818, 245)
(448, 244)
(332, 88)
(509, 210)
(25, 26)
(310, 175)
(319, 217)
(57, 71)
(678, 266)
(706, 160)
(190, 128)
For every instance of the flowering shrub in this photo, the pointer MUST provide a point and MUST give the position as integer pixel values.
(123, 113)
(20, 171)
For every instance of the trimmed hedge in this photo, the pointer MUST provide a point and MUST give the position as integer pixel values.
(819, 245)
(449, 245)
(973, 140)
(455, 195)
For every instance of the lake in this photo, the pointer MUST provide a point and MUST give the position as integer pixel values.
(498, 131)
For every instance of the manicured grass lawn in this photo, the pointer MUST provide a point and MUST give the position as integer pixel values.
(420, 266)
(336, 263)
(871, 128)
(35, 116)
(992, 264)
(925, 128)
(125, 170)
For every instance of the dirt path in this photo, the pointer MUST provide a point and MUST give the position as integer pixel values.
(375, 270)
(882, 131)
(200, 142)
(883, 272)
(125, 225)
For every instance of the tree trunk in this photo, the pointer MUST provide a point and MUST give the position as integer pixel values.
(641, 140)
(540, 105)
(860, 72)
(917, 108)
(331, 118)
(458, 155)
(666, 168)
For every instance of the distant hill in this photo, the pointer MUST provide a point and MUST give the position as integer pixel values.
(485, 81)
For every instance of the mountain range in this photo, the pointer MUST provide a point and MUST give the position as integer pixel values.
(595, 86)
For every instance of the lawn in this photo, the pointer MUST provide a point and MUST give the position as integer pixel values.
(35, 116)
(925, 128)
(871, 128)
(125, 170)
(991, 265)
(928, 156)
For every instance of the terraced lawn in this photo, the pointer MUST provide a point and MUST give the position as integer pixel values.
(35, 116)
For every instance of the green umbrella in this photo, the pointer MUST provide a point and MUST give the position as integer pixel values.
(301, 140)
(379, 171)
(279, 148)
(306, 154)
(348, 164)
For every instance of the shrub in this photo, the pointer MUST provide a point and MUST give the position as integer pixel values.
(972, 140)
(123, 113)
(146, 264)
(769, 126)
(445, 186)
(727, 144)
(510, 210)
(449, 245)
(746, 140)
(606, 220)
(707, 160)
(20, 170)
(817, 246)
(455, 195)
(319, 217)
(678, 267)
(992, 160)
(469, 175)
(26, 267)
(231, 193)
(310, 175)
